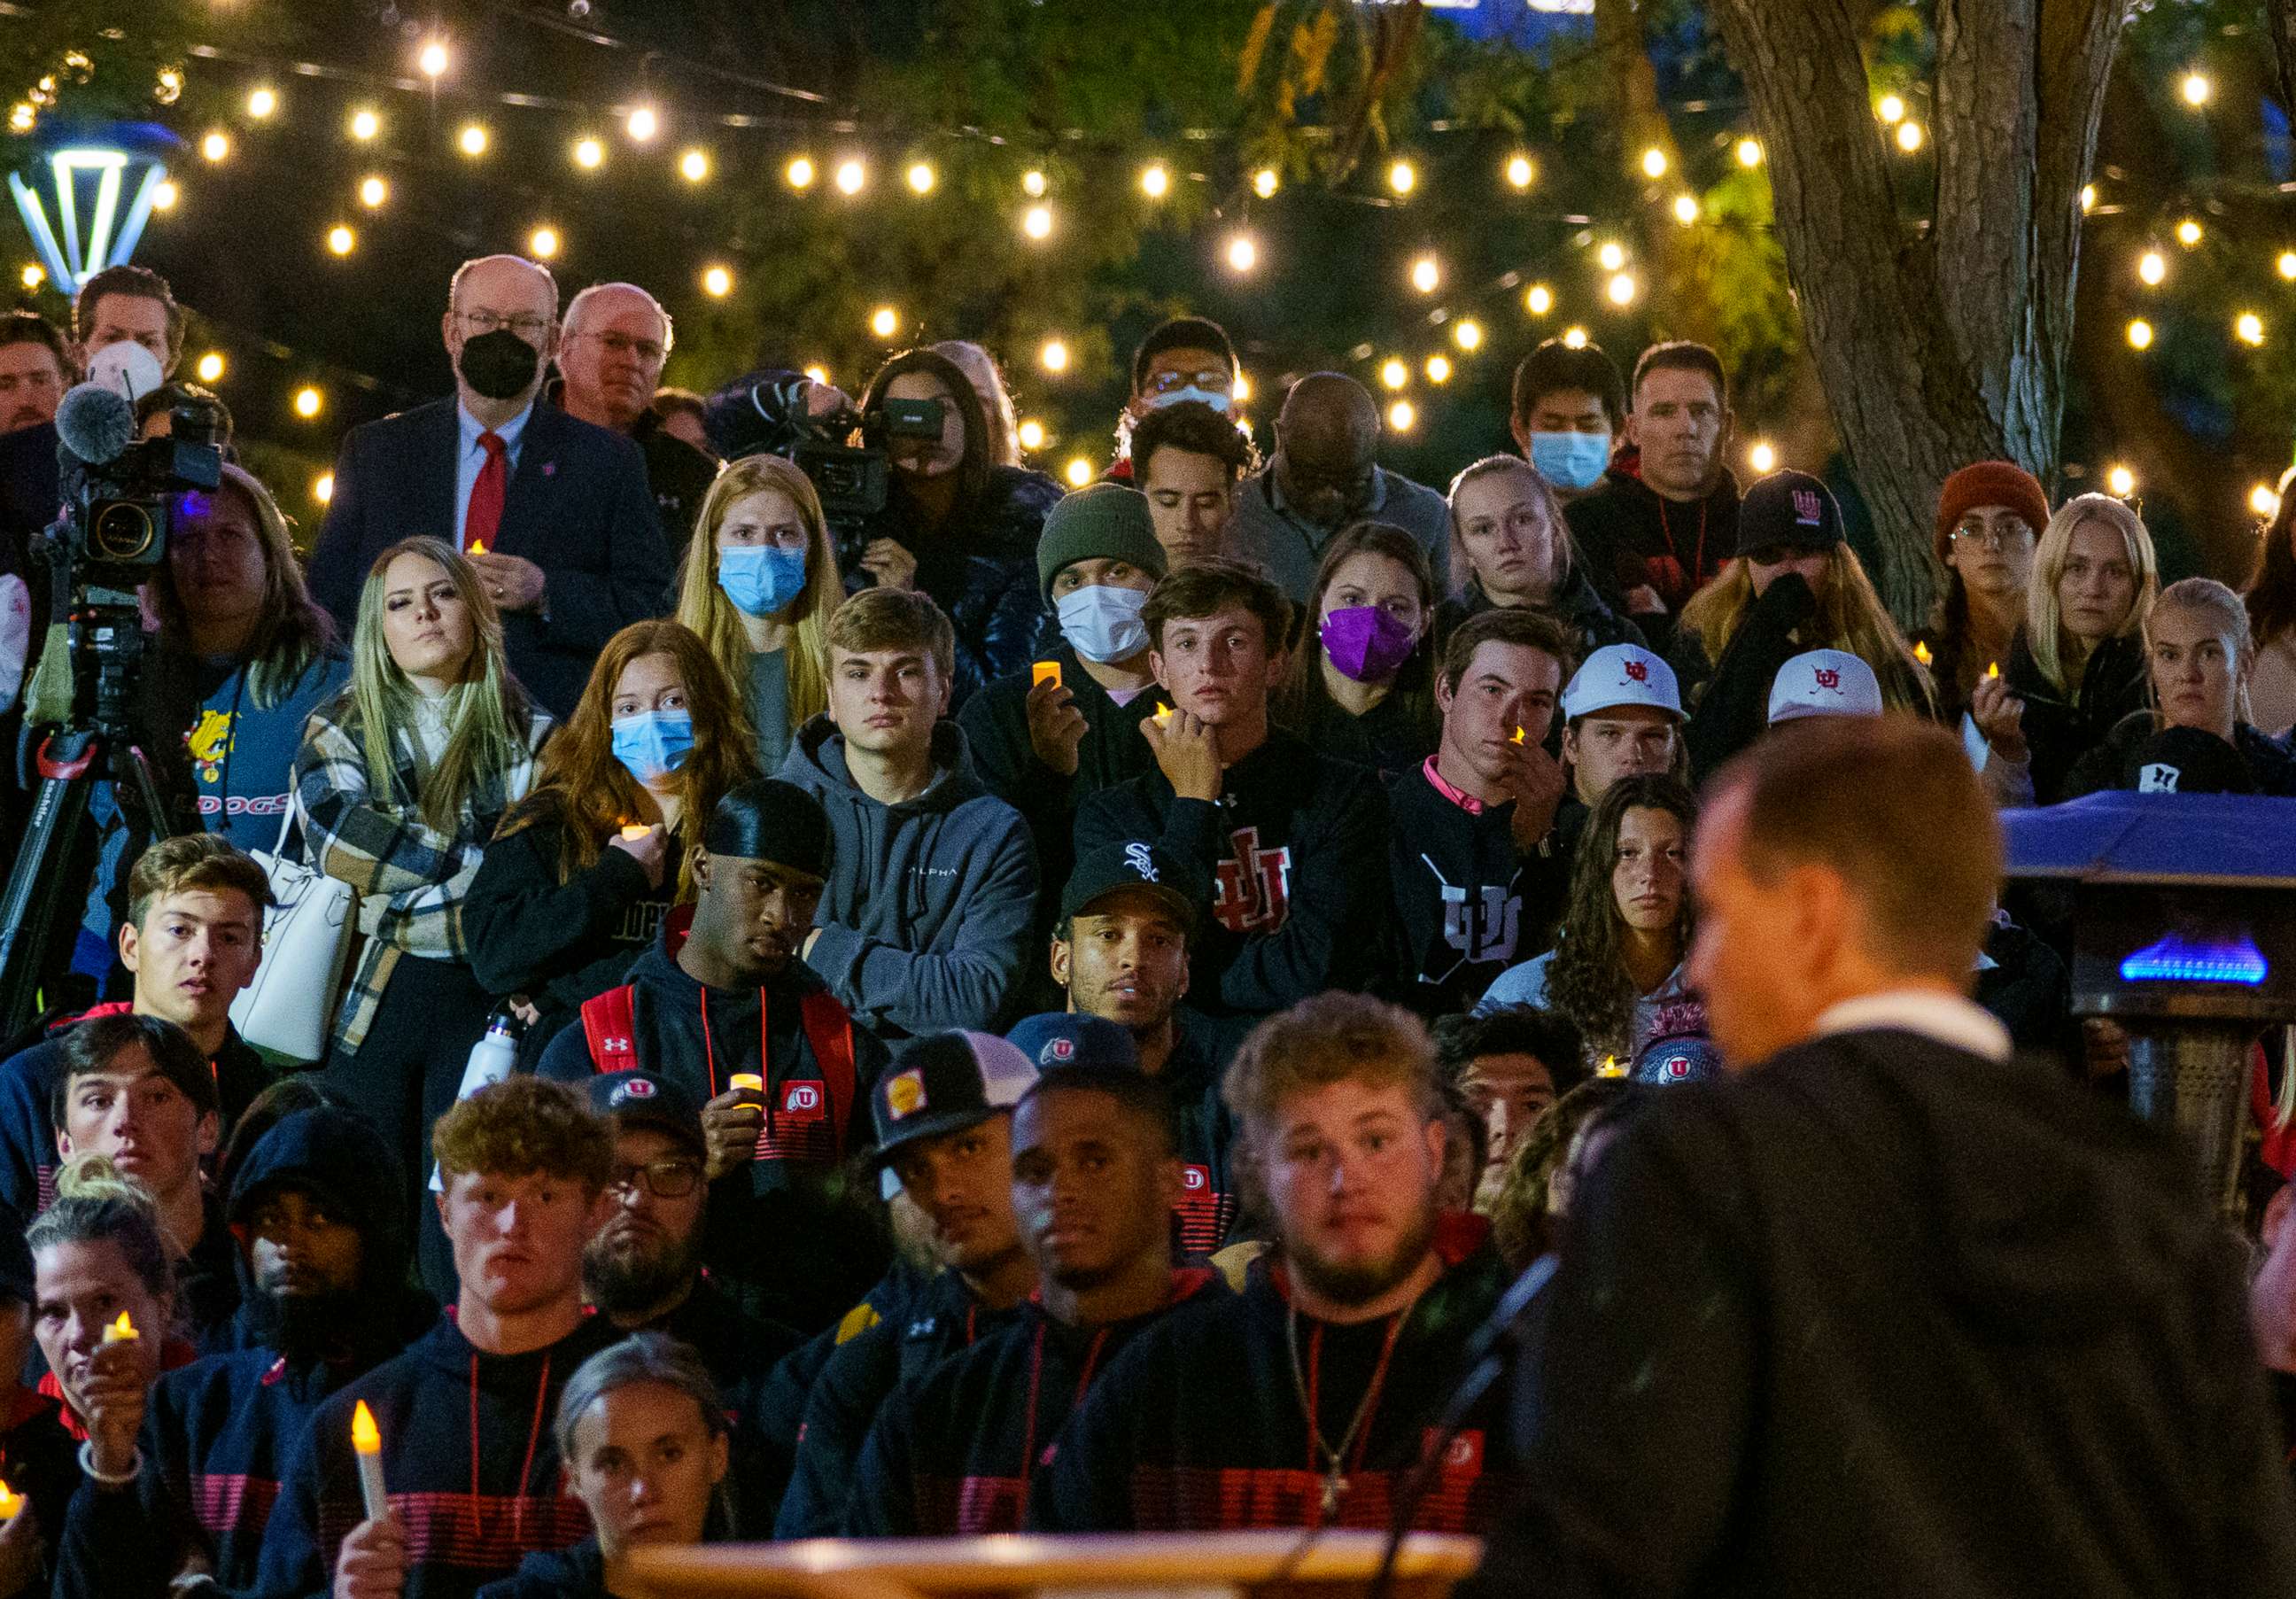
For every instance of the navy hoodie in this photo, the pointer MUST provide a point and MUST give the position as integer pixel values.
(40, 1460)
(218, 1431)
(1292, 851)
(1469, 901)
(944, 1319)
(577, 1572)
(469, 1456)
(787, 1234)
(740, 1352)
(925, 923)
(1199, 1425)
(955, 1455)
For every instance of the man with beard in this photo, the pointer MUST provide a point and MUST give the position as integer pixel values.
(553, 512)
(1094, 1171)
(944, 1124)
(1307, 1399)
(315, 1208)
(722, 995)
(643, 1271)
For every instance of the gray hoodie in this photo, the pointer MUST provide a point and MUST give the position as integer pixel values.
(925, 922)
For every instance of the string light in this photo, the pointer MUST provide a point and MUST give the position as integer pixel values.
(1426, 275)
(323, 487)
(432, 59)
(1032, 183)
(1621, 288)
(164, 194)
(884, 322)
(210, 367)
(1401, 415)
(1155, 180)
(851, 175)
(643, 123)
(1053, 357)
(2248, 327)
(1243, 253)
(920, 178)
(215, 146)
(1393, 373)
(1031, 434)
(1574, 338)
(2152, 266)
(1264, 182)
(1685, 209)
(33, 275)
(474, 139)
(2287, 263)
(1613, 256)
(1438, 368)
(307, 402)
(2088, 198)
(717, 283)
(21, 116)
(262, 102)
(1520, 171)
(2121, 480)
(1761, 457)
(693, 166)
(2188, 232)
(589, 153)
(372, 193)
(1037, 222)
(1402, 177)
(1538, 299)
(2196, 89)
(1467, 334)
(1891, 109)
(1909, 136)
(2263, 501)
(2140, 333)
(341, 240)
(1750, 153)
(364, 124)
(799, 173)
(1079, 471)
(1653, 162)
(543, 242)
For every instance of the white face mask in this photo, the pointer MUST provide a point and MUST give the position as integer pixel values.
(1172, 396)
(1103, 623)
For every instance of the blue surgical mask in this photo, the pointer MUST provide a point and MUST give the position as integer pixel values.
(761, 578)
(1172, 396)
(1571, 461)
(1103, 622)
(653, 743)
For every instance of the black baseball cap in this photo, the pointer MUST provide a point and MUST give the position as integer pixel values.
(1137, 865)
(636, 1099)
(944, 1083)
(1788, 508)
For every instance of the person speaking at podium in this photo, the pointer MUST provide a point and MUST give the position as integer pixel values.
(1885, 1311)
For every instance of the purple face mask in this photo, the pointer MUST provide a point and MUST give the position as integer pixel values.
(1365, 643)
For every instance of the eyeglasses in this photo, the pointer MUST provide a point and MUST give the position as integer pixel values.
(1995, 535)
(664, 1180)
(526, 325)
(1218, 381)
(622, 344)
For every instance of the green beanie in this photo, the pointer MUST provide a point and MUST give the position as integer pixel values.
(1106, 521)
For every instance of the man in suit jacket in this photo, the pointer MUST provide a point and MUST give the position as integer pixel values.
(554, 512)
(1885, 1311)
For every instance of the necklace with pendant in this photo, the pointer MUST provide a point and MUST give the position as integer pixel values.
(1334, 1460)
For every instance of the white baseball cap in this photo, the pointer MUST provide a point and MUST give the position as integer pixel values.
(1620, 675)
(1824, 683)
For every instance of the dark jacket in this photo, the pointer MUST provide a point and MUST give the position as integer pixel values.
(926, 919)
(578, 507)
(785, 1235)
(1576, 603)
(40, 1460)
(1393, 737)
(1292, 910)
(1209, 1203)
(1915, 1362)
(2062, 728)
(2271, 765)
(1199, 1426)
(740, 1352)
(1629, 535)
(557, 942)
(1469, 902)
(956, 1454)
(577, 1572)
(942, 1320)
(679, 477)
(469, 1456)
(980, 566)
(788, 1387)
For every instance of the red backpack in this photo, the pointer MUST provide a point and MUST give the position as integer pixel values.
(609, 1022)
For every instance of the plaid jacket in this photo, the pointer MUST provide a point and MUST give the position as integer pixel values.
(381, 845)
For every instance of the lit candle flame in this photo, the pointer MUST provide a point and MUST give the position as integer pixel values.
(1163, 714)
(478, 546)
(367, 1437)
(1610, 1067)
(1922, 652)
(634, 831)
(1520, 733)
(11, 1502)
(750, 1080)
(120, 1331)
(1993, 669)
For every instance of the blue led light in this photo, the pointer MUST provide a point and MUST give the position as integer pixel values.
(2175, 960)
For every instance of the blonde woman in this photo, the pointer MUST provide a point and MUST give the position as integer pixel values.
(2078, 666)
(759, 584)
(400, 782)
(1509, 548)
(1794, 586)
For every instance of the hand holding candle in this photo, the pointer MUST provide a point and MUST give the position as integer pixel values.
(1044, 671)
(366, 1445)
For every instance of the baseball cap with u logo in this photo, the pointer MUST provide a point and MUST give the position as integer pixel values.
(1824, 683)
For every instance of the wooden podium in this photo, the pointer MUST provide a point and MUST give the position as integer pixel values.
(1261, 1565)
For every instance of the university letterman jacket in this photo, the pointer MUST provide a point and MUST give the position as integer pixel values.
(468, 1457)
(956, 1454)
(1199, 1424)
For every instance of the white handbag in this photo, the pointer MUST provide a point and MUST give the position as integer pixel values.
(289, 1008)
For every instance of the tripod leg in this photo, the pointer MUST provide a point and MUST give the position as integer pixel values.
(38, 885)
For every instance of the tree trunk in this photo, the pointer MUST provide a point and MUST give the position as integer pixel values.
(1942, 344)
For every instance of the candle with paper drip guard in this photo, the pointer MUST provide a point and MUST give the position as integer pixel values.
(122, 1330)
(366, 1445)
